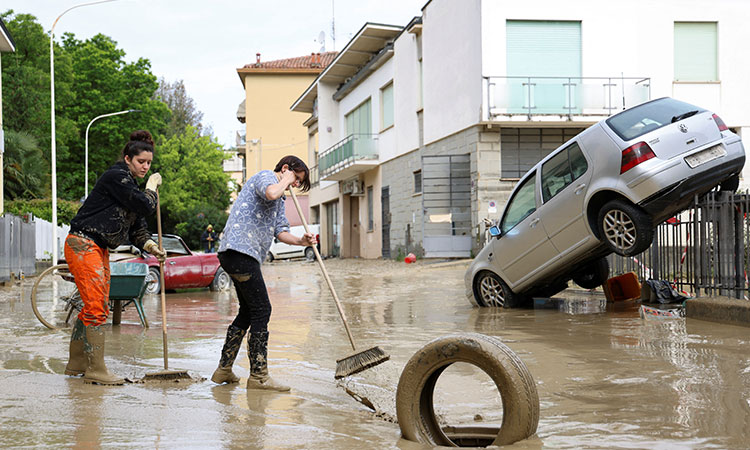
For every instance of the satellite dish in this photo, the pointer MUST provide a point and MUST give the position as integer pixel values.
(322, 41)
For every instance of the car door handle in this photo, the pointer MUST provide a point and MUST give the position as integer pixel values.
(580, 187)
(533, 223)
(171, 262)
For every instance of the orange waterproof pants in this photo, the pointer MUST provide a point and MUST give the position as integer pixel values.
(89, 265)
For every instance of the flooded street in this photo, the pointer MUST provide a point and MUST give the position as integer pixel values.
(606, 378)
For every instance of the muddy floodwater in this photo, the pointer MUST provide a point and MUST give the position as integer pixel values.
(606, 378)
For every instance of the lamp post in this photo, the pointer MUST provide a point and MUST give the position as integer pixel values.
(53, 149)
(86, 183)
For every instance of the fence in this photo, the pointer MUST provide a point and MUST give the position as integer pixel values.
(17, 247)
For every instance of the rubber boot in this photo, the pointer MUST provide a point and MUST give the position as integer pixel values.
(257, 351)
(94, 347)
(224, 374)
(77, 361)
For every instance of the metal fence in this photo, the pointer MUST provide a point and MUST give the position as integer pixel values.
(17, 247)
(703, 251)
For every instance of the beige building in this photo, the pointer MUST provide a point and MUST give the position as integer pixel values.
(272, 131)
(6, 45)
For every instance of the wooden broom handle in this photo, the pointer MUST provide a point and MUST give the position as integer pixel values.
(325, 272)
(161, 285)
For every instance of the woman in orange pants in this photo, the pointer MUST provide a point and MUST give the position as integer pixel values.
(112, 215)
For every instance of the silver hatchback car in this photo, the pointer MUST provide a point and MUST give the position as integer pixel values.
(603, 191)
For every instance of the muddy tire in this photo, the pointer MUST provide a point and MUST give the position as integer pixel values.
(593, 275)
(414, 396)
(731, 184)
(153, 281)
(310, 254)
(625, 228)
(221, 281)
(490, 290)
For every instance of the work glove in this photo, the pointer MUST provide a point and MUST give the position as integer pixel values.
(154, 249)
(153, 182)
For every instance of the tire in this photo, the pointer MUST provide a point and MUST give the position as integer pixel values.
(54, 297)
(153, 281)
(731, 184)
(414, 396)
(269, 257)
(593, 275)
(491, 291)
(221, 281)
(625, 228)
(310, 254)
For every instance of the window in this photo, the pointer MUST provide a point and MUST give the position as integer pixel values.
(386, 107)
(522, 148)
(561, 170)
(418, 182)
(521, 205)
(359, 120)
(695, 52)
(370, 214)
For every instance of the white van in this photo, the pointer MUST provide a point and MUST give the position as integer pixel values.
(280, 250)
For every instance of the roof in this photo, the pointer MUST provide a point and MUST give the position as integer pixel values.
(6, 40)
(366, 44)
(312, 64)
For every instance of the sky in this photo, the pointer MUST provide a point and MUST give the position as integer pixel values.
(203, 42)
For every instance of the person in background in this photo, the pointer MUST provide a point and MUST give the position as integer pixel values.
(257, 216)
(208, 238)
(112, 215)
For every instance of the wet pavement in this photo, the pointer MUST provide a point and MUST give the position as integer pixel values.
(606, 378)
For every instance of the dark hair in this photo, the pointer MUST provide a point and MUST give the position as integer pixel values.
(140, 141)
(296, 165)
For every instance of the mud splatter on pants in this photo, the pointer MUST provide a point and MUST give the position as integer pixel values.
(255, 307)
(89, 265)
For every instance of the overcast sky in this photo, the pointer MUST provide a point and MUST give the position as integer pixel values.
(203, 42)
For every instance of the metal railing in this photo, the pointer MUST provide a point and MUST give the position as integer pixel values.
(345, 152)
(314, 176)
(512, 95)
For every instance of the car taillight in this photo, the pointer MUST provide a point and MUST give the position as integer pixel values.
(317, 238)
(720, 123)
(634, 155)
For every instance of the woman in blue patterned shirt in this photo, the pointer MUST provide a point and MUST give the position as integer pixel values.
(256, 218)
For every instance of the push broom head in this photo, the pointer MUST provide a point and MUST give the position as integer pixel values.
(359, 361)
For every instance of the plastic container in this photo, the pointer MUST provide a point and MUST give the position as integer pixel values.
(622, 288)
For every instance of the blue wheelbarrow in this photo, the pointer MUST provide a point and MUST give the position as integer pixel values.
(55, 298)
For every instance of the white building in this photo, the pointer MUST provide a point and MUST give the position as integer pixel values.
(420, 132)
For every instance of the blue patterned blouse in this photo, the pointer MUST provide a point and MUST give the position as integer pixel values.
(254, 221)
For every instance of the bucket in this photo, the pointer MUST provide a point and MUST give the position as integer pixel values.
(622, 288)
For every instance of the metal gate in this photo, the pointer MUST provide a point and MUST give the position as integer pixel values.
(385, 201)
(446, 203)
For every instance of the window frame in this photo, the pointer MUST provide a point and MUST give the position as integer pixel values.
(383, 125)
(420, 186)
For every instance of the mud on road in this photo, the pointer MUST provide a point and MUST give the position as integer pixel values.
(605, 377)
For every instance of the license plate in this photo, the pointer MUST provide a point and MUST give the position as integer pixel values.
(705, 156)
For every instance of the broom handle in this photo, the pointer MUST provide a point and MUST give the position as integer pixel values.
(161, 285)
(325, 272)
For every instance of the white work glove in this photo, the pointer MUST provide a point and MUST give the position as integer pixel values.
(153, 182)
(153, 248)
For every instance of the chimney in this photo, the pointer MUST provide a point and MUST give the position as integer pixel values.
(257, 58)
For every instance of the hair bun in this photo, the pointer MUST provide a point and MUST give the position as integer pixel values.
(143, 136)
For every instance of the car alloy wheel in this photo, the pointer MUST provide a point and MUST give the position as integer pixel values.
(153, 281)
(490, 290)
(626, 229)
(221, 281)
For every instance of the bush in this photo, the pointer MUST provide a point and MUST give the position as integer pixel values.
(42, 208)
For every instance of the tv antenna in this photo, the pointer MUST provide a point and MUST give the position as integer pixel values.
(333, 25)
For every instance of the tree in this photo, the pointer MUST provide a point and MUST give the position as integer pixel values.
(182, 106)
(26, 173)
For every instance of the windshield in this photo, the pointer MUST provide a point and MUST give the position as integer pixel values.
(650, 116)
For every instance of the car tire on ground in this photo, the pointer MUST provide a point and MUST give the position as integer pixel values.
(593, 275)
(269, 257)
(310, 254)
(414, 396)
(731, 184)
(222, 281)
(490, 290)
(625, 228)
(153, 281)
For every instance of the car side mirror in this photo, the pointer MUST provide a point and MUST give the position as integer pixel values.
(494, 231)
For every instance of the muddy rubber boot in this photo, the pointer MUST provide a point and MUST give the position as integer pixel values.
(224, 374)
(257, 351)
(77, 361)
(94, 347)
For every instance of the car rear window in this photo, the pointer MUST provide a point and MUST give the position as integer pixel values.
(650, 116)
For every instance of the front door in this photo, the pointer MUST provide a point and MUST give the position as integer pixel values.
(385, 201)
(354, 227)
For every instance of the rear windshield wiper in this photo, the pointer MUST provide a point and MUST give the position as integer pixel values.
(684, 115)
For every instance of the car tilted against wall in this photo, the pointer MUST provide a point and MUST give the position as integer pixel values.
(601, 192)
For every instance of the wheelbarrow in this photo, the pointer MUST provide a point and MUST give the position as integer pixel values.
(55, 298)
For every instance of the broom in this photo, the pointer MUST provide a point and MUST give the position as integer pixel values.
(359, 360)
(166, 374)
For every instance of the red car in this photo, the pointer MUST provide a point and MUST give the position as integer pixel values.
(182, 269)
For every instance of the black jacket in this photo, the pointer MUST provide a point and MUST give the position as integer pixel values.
(115, 210)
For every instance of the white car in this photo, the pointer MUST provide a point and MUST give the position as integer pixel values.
(280, 250)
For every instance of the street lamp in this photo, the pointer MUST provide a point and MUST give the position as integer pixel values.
(53, 150)
(86, 184)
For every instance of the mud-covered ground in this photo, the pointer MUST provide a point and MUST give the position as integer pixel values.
(606, 378)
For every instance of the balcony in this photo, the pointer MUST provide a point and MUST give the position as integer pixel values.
(355, 154)
(314, 180)
(563, 96)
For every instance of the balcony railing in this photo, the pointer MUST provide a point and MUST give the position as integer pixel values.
(345, 153)
(564, 95)
(314, 179)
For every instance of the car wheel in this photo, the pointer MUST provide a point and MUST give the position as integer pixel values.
(310, 254)
(731, 184)
(221, 282)
(625, 228)
(490, 290)
(269, 257)
(153, 281)
(593, 275)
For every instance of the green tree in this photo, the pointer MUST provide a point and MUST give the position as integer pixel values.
(25, 172)
(181, 105)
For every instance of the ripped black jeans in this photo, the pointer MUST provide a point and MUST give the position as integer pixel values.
(255, 307)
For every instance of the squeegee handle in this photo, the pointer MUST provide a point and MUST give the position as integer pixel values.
(161, 285)
(325, 272)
